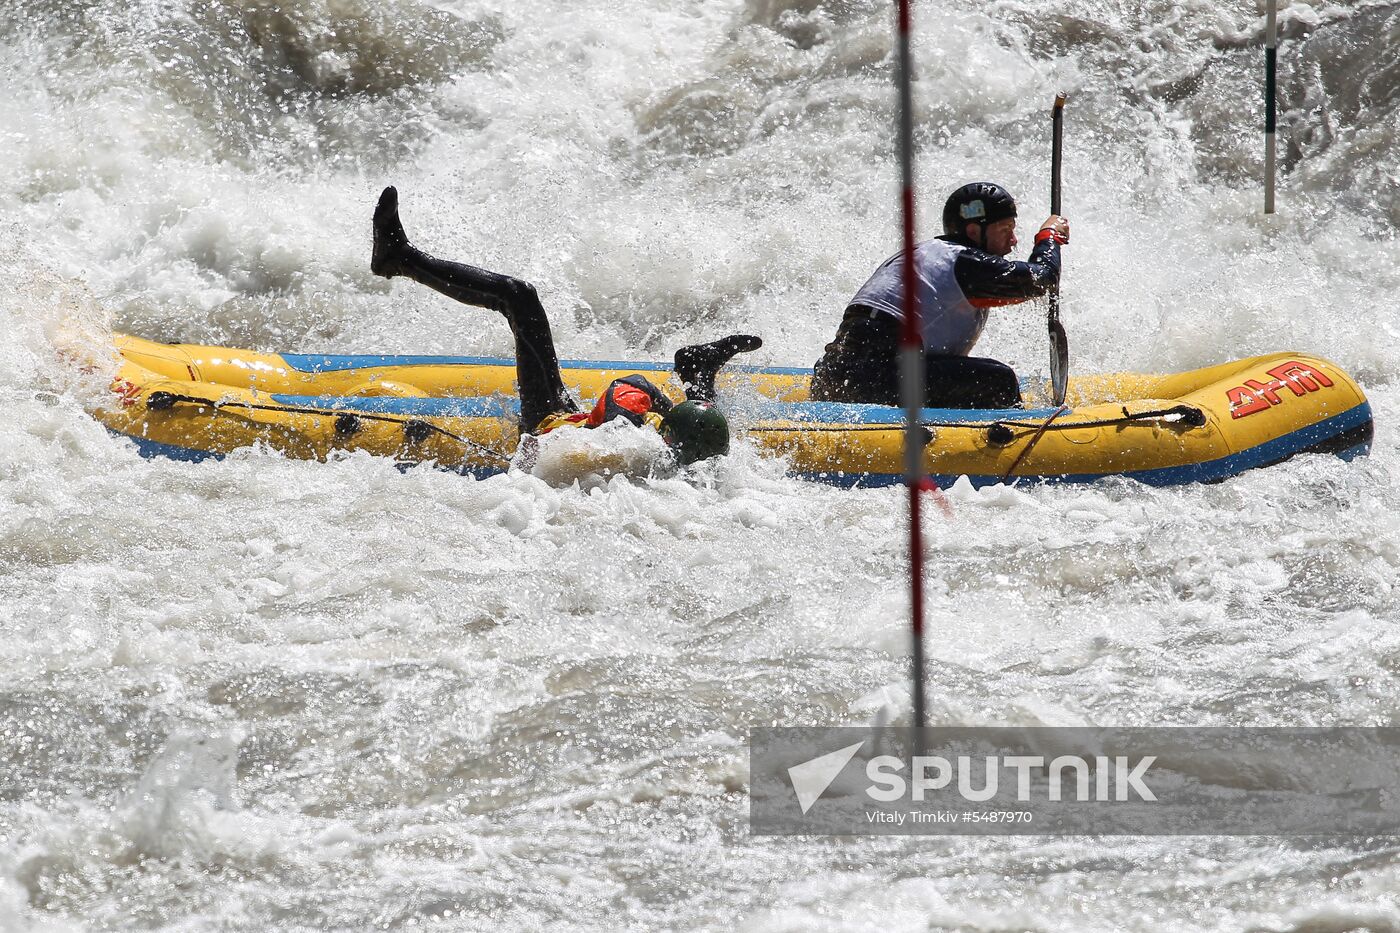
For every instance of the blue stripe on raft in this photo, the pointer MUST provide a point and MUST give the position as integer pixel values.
(333, 363)
(476, 472)
(1280, 448)
(484, 406)
(151, 449)
(1351, 453)
(506, 406)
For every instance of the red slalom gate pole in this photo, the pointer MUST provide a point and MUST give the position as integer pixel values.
(1270, 104)
(911, 368)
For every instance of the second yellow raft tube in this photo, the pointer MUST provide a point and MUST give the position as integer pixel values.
(193, 402)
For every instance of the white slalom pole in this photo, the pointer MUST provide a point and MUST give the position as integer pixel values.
(1270, 104)
(911, 369)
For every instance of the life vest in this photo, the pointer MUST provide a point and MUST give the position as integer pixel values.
(951, 322)
(631, 397)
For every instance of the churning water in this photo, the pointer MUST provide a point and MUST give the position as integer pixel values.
(264, 694)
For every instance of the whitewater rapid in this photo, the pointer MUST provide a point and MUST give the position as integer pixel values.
(267, 694)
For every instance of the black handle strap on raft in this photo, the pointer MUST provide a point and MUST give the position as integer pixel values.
(416, 432)
(346, 423)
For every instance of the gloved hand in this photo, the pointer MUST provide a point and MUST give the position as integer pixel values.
(1056, 228)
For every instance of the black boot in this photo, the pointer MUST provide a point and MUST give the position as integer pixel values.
(390, 241)
(698, 365)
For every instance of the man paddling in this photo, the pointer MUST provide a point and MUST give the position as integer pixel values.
(694, 429)
(962, 275)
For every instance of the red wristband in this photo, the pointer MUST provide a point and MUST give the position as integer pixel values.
(1048, 233)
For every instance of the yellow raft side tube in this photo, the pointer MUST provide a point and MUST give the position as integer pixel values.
(192, 401)
(371, 375)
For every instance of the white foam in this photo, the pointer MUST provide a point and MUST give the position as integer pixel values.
(256, 692)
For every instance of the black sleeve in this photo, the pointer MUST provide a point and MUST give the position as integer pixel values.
(983, 275)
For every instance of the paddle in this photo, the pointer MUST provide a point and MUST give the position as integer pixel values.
(1059, 343)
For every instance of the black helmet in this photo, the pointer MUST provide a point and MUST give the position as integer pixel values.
(980, 202)
(695, 430)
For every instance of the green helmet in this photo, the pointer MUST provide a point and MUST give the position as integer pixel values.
(695, 430)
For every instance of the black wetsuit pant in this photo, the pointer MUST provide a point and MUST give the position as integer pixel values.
(542, 391)
(862, 365)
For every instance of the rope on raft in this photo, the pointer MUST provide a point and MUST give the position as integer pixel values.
(163, 400)
(1188, 415)
(1035, 438)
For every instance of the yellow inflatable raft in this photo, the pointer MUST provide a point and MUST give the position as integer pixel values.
(192, 402)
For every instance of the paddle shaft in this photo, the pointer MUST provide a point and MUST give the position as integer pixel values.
(1059, 343)
(1057, 135)
(1057, 123)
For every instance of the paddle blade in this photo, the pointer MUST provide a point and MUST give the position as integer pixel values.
(1059, 362)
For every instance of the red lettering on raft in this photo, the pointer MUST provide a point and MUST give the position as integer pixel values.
(126, 391)
(1255, 396)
